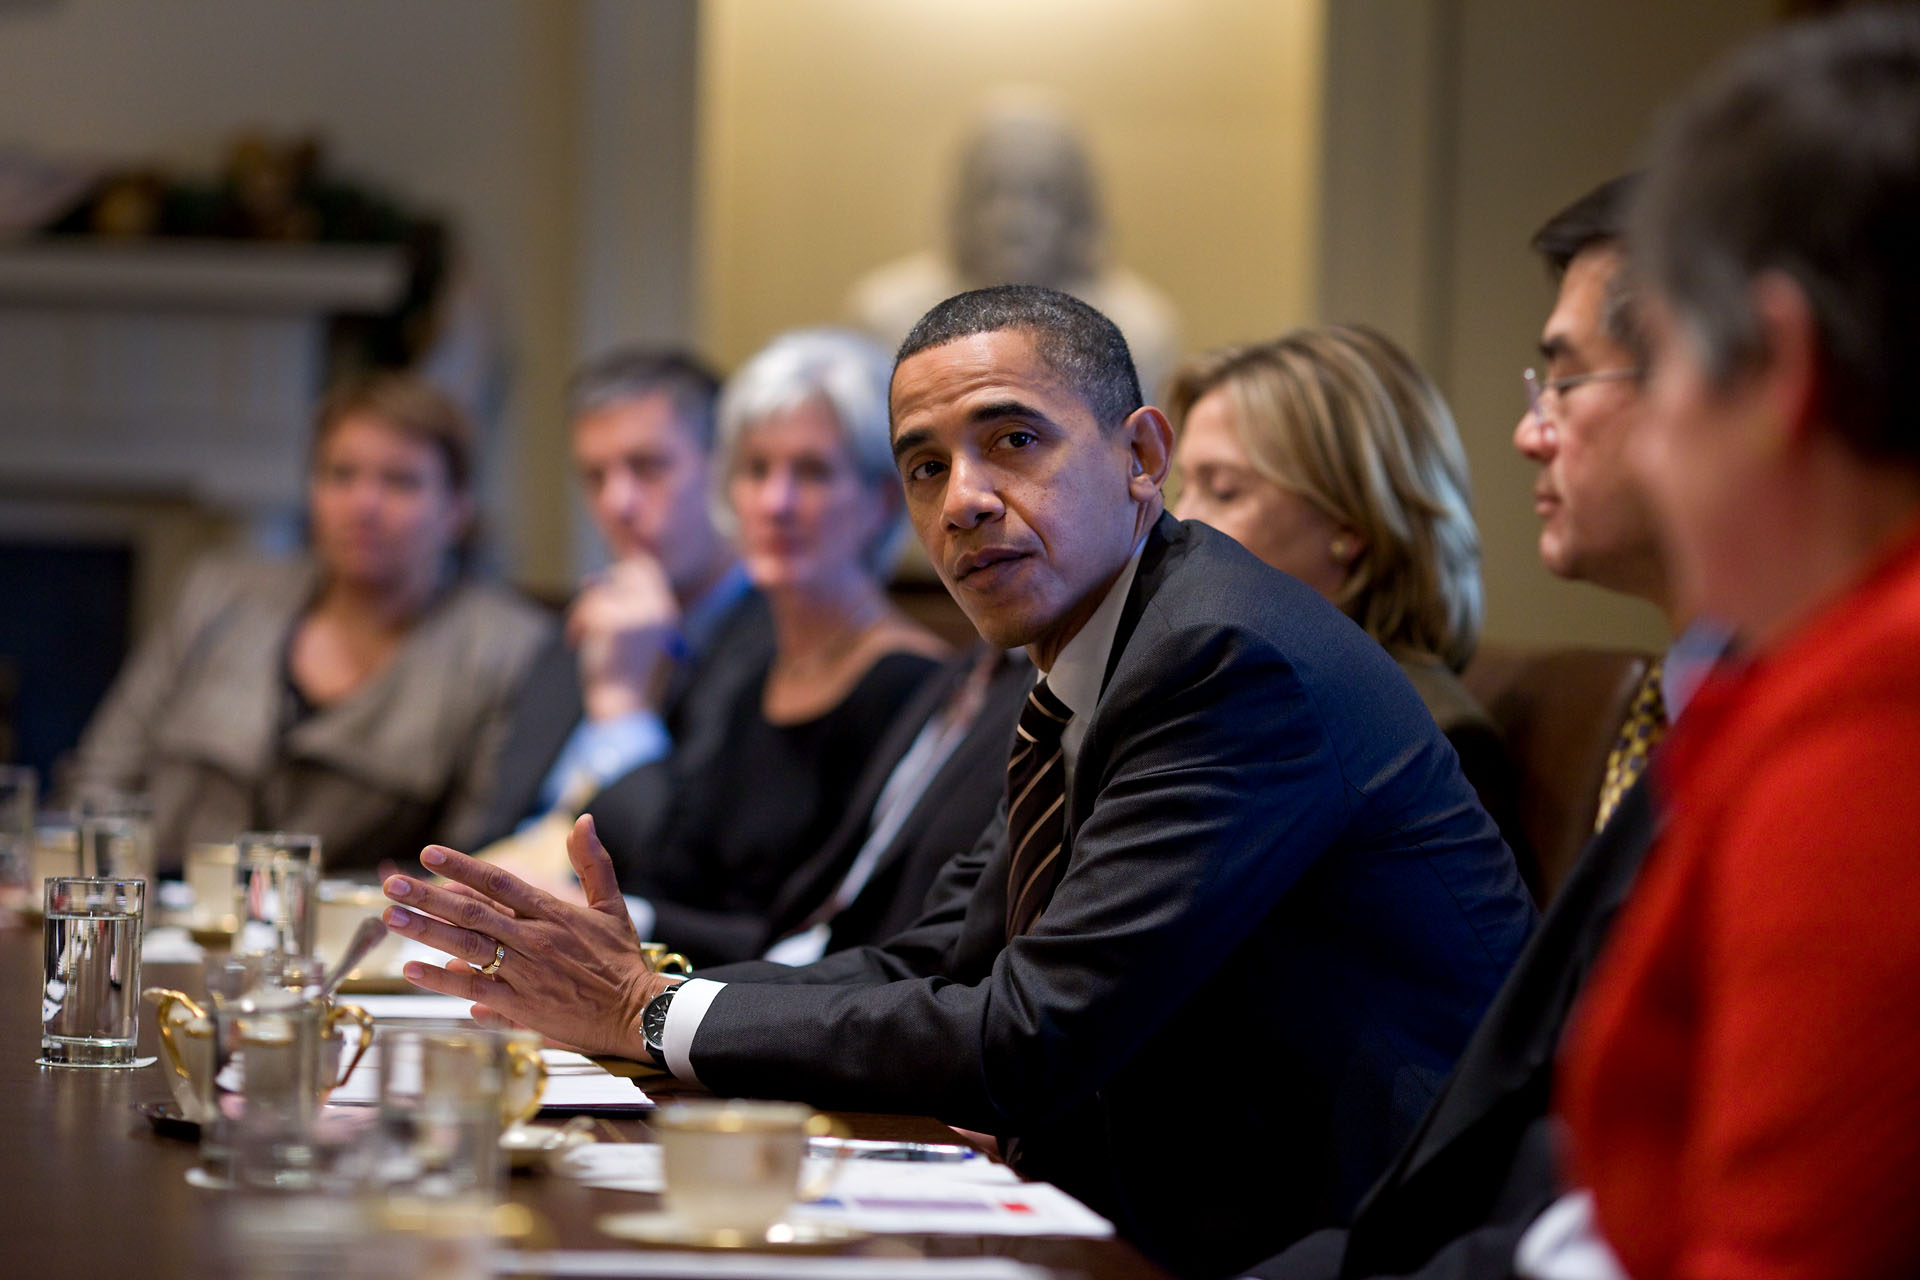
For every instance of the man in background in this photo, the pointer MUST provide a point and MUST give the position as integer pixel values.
(669, 622)
(1482, 1166)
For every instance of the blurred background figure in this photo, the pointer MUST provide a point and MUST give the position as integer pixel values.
(1740, 1088)
(1026, 209)
(672, 618)
(1330, 455)
(812, 495)
(359, 692)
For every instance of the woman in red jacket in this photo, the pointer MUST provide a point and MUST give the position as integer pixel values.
(1743, 1088)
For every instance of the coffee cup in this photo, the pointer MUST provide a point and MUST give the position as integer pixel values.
(733, 1167)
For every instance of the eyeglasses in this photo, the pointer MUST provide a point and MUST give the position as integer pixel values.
(1539, 388)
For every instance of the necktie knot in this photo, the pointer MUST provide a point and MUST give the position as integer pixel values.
(1640, 733)
(1045, 717)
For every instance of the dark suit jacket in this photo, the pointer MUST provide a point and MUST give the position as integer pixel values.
(1280, 894)
(1481, 1167)
(549, 706)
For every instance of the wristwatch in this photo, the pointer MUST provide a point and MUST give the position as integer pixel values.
(653, 1023)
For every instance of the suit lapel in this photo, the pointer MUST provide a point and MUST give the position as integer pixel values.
(1162, 539)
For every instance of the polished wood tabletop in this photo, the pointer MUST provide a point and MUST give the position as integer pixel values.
(87, 1188)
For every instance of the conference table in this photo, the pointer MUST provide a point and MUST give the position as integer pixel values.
(88, 1188)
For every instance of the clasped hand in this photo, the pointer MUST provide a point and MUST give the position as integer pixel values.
(573, 973)
(624, 625)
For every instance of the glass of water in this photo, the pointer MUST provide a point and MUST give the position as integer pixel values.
(279, 873)
(116, 834)
(90, 1003)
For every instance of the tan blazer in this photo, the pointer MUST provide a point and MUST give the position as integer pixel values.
(195, 719)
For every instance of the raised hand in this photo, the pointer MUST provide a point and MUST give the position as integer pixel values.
(574, 973)
(624, 625)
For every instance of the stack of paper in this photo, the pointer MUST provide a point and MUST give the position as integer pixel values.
(574, 1083)
(970, 1197)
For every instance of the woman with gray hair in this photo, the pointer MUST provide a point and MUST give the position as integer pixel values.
(809, 491)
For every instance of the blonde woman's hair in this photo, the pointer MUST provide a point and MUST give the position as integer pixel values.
(1346, 420)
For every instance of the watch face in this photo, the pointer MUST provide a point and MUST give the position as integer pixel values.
(653, 1022)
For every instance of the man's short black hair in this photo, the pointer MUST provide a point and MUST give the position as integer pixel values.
(632, 373)
(1596, 219)
(1077, 344)
(1799, 155)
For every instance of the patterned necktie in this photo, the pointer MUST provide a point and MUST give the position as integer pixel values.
(1640, 733)
(1036, 821)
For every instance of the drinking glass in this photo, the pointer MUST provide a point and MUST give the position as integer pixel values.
(441, 1088)
(277, 1053)
(90, 1003)
(116, 834)
(279, 877)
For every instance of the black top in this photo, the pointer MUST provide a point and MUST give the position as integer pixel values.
(737, 828)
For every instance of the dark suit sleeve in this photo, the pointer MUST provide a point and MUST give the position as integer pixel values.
(1208, 787)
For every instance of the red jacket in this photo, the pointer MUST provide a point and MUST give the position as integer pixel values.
(1743, 1081)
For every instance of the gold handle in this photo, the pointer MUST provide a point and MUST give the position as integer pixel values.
(524, 1061)
(168, 1001)
(358, 1017)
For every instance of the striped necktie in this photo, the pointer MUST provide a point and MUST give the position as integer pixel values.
(1640, 733)
(1036, 821)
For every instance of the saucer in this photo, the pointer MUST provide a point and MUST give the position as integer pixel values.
(168, 1120)
(527, 1146)
(781, 1237)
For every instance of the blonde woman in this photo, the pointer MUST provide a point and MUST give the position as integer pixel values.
(1330, 455)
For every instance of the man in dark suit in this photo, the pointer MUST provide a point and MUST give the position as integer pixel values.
(651, 640)
(1236, 852)
(1480, 1169)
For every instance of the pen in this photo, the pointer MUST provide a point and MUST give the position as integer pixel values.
(872, 1149)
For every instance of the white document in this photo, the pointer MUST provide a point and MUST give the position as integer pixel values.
(411, 1008)
(970, 1197)
(574, 1083)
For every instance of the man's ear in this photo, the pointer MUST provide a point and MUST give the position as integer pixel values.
(1149, 439)
(1789, 376)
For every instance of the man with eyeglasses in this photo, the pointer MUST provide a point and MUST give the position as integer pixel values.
(1482, 1166)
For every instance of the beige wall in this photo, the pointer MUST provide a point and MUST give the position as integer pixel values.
(560, 136)
(1481, 118)
(829, 131)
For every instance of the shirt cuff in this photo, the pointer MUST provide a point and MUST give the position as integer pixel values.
(1564, 1243)
(689, 1006)
(607, 749)
(641, 912)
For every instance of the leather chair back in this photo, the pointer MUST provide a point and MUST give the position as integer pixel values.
(1560, 711)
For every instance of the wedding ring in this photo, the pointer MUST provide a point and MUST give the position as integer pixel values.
(499, 958)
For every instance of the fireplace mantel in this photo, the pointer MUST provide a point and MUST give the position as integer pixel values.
(184, 370)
